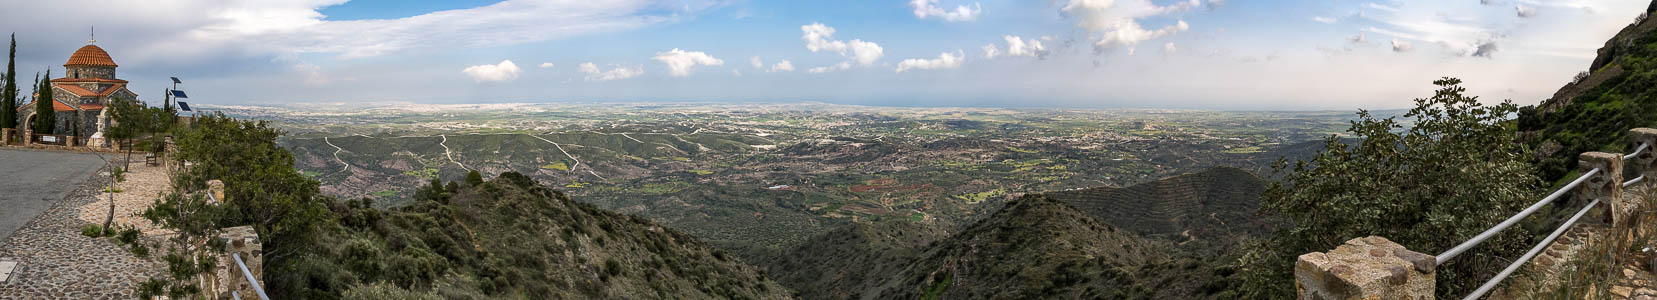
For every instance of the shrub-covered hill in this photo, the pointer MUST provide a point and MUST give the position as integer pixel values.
(1214, 203)
(1035, 247)
(843, 263)
(1594, 112)
(512, 238)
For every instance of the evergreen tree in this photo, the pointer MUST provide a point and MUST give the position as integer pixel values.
(8, 91)
(45, 117)
(473, 178)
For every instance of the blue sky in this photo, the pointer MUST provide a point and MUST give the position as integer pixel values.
(1205, 54)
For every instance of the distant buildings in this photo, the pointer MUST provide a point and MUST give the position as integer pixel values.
(88, 86)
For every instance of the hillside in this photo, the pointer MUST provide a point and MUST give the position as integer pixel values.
(1213, 203)
(1071, 244)
(1040, 248)
(1594, 112)
(512, 238)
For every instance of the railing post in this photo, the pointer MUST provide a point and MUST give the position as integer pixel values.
(1366, 268)
(1605, 185)
(244, 242)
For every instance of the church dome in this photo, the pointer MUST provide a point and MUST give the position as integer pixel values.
(91, 55)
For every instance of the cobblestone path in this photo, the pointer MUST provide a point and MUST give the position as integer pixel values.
(56, 262)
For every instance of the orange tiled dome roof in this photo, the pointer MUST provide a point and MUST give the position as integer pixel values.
(90, 55)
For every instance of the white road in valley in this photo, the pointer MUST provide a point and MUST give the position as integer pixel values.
(567, 154)
(631, 138)
(445, 145)
(337, 149)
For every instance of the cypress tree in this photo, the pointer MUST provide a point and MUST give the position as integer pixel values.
(45, 117)
(8, 92)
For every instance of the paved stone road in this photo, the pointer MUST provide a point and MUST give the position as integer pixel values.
(31, 181)
(54, 261)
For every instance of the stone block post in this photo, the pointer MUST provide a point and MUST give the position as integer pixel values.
(1644, 161)
(1605, 185)
(243, 241)
(6, 135)
(1366, 268)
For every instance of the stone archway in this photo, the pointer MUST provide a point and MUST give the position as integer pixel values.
(28, 126)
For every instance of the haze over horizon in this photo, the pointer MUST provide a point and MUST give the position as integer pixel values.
(1196, 54)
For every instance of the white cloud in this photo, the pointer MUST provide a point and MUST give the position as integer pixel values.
(1401, 46)
(926, 8)
(1324, 20)
(819, 37)
(546, 65)
(835, 67)
(618, 72)
(1358, 39)
(1525, 11)
(1379, 6)
(1456, 34)
(754, 61)
(1021, 47)
(1169, 48)
(504, 71)
(782, 66)
(1017, 46)
(679, 62)
(1117, 22)
(990, 51)
(945, 60)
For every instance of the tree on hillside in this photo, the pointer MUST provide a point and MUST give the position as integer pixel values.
(45, 116)
(8, 91)
(473, 178)
(1455, 173)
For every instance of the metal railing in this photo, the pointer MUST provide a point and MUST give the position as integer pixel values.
(252, 281)
(1469, 244)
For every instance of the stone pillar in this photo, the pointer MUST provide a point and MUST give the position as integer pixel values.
(72, 140)
(1606, 185)
(1366, 268)
(6, 135)
(245, 242)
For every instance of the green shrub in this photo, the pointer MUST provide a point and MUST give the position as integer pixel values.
(128, 235)
(92, 230)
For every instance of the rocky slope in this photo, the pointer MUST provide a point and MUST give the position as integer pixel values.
(1594, 112)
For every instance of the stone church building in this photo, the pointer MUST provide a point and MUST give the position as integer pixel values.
(88, 86)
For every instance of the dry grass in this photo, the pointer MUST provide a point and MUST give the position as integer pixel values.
(1599, 269)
